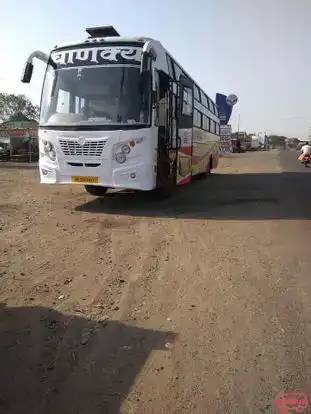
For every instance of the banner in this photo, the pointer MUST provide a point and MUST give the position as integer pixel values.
(18, 133)
(224, 109)
(225, 130)
(225, 139)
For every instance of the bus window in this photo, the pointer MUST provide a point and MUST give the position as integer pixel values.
(197, 118)
(197, 93)
(79, 104)
(213, 126)
(177, 71)
(63, 101)
(170, 67)
(157, 98)
(187, 105)
(210, 105)
(162, 82)
(204, 100)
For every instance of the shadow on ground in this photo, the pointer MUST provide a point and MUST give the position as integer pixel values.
(55, 363)
(220, 197)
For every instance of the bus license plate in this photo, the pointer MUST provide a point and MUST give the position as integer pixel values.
(77, 179)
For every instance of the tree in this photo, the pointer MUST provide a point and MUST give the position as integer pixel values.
(295, 141)
(17, 108)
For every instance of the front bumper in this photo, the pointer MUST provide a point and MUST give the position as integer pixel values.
(138, 176)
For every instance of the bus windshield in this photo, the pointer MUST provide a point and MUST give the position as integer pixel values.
(101, 94)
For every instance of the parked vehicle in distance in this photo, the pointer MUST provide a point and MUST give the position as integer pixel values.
(4, 151)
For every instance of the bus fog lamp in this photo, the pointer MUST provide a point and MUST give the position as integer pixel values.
(120, 157)
(52, 155)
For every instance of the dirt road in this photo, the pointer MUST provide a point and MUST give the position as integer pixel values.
(200, 304)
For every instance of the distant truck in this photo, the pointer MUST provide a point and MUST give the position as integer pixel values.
(255, 144)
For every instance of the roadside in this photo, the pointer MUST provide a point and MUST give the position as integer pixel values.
(11, 164)
(198, 304)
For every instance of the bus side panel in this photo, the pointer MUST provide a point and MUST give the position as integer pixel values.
(205, 146)
(184, 157)
(200, 152)
(200, 157)
(216, 151)
(215, 156)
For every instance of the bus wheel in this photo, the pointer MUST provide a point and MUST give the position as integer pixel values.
(96, 190)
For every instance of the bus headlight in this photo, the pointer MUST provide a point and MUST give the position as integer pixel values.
(49, 150)
(120, 157)
(125, 149)
(48, 146)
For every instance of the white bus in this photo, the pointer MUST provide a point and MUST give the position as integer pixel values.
(120, 112)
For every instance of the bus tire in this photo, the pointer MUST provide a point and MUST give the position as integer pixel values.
(96, 190)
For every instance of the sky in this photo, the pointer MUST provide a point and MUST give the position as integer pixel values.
(257, 49)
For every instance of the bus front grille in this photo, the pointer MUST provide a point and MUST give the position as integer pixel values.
(89, 149)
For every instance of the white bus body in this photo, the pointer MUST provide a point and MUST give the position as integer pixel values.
(111, 116)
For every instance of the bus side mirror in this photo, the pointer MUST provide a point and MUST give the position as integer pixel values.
(27, 74)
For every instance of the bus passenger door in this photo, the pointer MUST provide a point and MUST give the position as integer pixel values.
(172, 116)
(184, 130)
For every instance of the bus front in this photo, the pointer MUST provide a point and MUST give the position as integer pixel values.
(95, 117)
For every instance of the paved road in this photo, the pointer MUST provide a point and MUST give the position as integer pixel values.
(289, 162)
(200, 304)
(296, 181)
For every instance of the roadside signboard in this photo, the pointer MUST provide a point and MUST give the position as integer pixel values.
(225, 130)
(225, 139)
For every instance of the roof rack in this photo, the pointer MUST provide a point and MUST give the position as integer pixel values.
(103, 31)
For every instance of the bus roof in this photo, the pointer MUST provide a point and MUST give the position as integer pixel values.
(113, 39)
